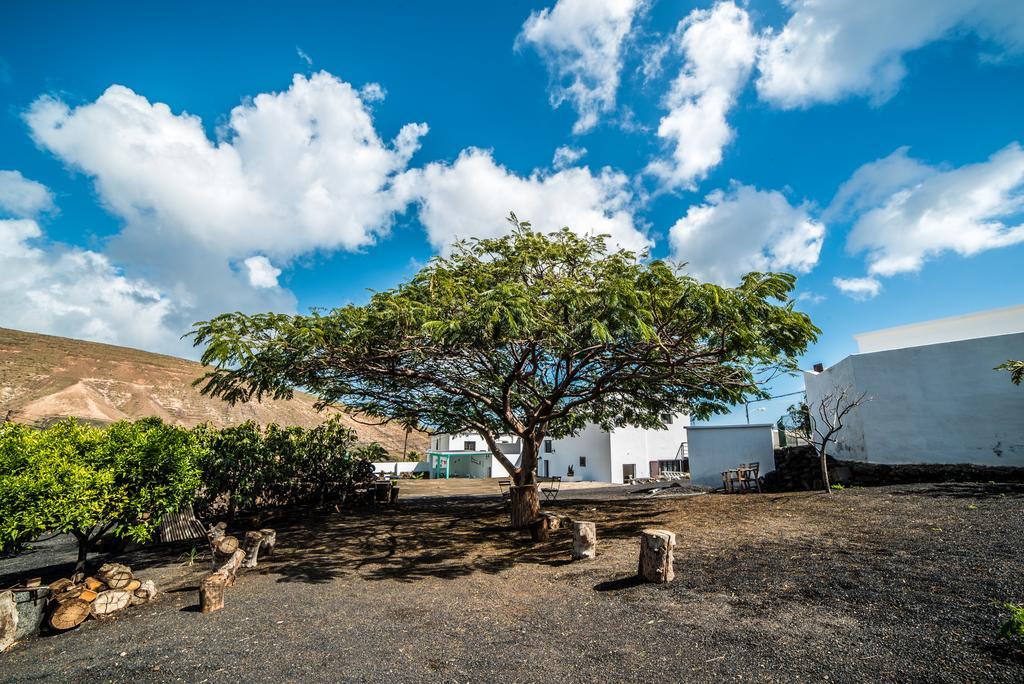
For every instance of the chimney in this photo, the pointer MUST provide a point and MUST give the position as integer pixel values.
(818, 367)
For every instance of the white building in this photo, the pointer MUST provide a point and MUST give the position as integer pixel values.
(717, 448)
(935, 396)
(593, 455)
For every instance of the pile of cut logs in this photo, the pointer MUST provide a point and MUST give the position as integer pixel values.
(112, 589)
(228, 556)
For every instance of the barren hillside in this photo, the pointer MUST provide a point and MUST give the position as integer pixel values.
(44, 378)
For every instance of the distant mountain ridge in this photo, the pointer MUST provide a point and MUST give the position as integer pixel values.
(45, 378)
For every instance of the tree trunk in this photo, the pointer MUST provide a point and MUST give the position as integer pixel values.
(525, 505)
(83, 551)
(824, 471)
(584, 540)
(656, 555)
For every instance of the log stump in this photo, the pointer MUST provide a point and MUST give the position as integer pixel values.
(115, 575)
(656, 555)
(230, 569)
(8, 619)
(93, 584)
(525, 502)
(539, 529)
(269, 541)
(110, 601)
(211, 593)
(584, 540)
(70, 613)
(554, 521)
(253, 540)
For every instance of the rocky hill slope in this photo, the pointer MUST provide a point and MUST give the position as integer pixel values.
(45, 378)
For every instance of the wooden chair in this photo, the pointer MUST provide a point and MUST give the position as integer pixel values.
(750, 477)
(730, 480)
(551, 491)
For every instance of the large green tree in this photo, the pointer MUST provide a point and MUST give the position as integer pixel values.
(530, 334)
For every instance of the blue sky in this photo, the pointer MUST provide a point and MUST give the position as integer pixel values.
(158, 167)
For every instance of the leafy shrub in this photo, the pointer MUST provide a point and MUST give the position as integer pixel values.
(1013, 628)
(86, 481)
(249, 467)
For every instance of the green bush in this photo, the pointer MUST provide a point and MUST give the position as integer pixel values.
(1013, 628)
(86, 481)
(249, 468)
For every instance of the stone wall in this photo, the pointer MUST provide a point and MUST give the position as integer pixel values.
(798, 468)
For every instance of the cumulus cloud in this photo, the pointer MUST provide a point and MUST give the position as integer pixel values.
(567, 156)
(22, 197)
(915, 213)
(261, 272)
(77, 293)
(582, 42)
(859, 288)
(828, 50)
(743, 230)
(720, 47)
(294, 171)
(472, 196)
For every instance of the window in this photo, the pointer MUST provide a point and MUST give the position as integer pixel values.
(549, 447)
(666, 418)
(469, 445)
(583, 461)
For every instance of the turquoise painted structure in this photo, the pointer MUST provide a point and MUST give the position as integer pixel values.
(448, 464)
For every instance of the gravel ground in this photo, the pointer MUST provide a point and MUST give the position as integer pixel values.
(886, 584)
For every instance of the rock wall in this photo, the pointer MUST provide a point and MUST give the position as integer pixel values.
(798, 468)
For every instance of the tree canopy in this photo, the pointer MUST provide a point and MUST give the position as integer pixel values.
(529, 334)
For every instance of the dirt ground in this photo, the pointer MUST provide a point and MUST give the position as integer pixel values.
(462, 486)
(887, 584)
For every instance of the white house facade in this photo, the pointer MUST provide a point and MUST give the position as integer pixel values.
(934, 394)
(593, 455)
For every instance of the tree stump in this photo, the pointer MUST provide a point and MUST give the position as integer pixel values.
(539, 529)
(144, 594)
(8, 619)
(211, 593)
(111, 601)
(253, 540)
(133, 585)
(554, 522)
(230, 569)
(269, 541)
(93, 584)
(525, 505)
(656, 555)
(70, 613)
(115, 575)
(584, 540)
(222, 546)
(88, 595)
(394, 493)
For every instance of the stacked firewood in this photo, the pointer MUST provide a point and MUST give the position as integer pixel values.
(113, 588)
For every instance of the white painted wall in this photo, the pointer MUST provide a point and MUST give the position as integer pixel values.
(399, 467)
(940, 403)
(714, 448)
(605, 452)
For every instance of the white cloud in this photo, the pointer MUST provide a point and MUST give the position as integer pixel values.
(261, 272)
(472, 196)
(298, 170)
(290, 173)
(743, 230)
(919, 212)
(22, 197)
(567, 156)
(581, 41)
(859, 288)
(810, 297)
(77, 293)
(720, 48)
(828, 50)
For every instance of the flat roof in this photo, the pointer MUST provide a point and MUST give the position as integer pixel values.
(1004, 321)
(730, 427)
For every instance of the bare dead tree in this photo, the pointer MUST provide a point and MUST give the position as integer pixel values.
(827, 418)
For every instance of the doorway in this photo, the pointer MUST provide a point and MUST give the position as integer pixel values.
(628, 472)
